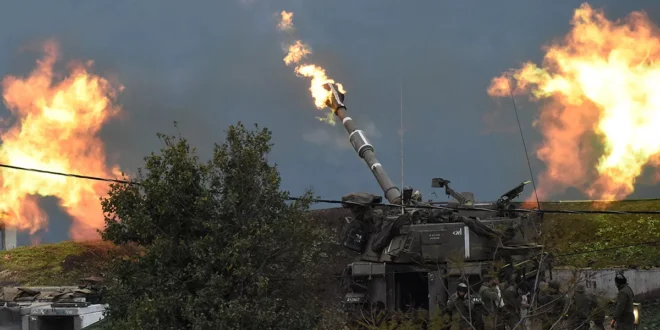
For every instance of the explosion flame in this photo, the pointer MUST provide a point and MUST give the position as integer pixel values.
(600, 82)
(55, 127)
(297, 52)
(286, 21)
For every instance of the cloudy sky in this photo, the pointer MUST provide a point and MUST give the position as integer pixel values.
(208, 64)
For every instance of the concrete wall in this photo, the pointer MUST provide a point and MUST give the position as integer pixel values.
(8, 236)
(644, 283)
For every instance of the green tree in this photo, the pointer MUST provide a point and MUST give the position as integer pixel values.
(223, 246)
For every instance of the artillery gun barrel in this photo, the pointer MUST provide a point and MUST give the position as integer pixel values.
(363, 148)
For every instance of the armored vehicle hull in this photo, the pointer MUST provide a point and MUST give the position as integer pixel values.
(413, 254)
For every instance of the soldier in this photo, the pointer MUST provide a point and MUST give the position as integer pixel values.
(490, 297)
(580, 309)
(598, 315)
(550, 304)
(512, 306)
(459, 308)
(623, 318)
(417, 196)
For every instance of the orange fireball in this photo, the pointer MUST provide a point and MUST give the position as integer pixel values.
(55, 127)
(298, 51)
(286, 21)
(600, 122)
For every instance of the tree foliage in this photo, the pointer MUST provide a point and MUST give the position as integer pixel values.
(571, 234)
(224, 248)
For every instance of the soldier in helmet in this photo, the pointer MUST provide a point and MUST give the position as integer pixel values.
(580, 309)
(551, 304)
(415, 195)
(458, 306)
(623, 318)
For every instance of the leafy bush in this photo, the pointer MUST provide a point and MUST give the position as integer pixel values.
(224, 248)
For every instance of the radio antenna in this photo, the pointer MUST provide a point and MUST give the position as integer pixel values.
(401, 137)
(522, 137)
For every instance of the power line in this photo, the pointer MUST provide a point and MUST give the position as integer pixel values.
(86, 177)
(528, 211)
(334, 201)
(330, 201)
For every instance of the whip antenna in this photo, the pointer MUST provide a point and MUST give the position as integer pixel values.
(401, 112)
(522, 137)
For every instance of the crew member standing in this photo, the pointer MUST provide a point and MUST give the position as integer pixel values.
(489, 295)
(552, 302)
(580, 309)
(512, 306)
(458, 306)
(623, 318)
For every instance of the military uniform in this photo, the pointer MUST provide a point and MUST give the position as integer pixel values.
(511, 310)
(490, 298)
(458, 306)
(550, 305)
(579, 315)
(623, 317)
(598, 315)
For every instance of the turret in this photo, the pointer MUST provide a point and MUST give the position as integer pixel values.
(363, 148)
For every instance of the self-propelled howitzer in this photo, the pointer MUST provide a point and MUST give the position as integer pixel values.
(413, 255)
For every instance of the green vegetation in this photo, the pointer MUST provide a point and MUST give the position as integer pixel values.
(224, 249)
(57, 264)
(572, 233)
(65, 263)
(38, 265)
(650, 315)
(221, 247)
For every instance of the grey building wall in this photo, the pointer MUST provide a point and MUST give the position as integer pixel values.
(644, 282)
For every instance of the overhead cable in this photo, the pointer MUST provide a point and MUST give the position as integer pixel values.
(333, 201)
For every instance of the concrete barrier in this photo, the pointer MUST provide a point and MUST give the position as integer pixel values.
(645, 283)
(8, 236)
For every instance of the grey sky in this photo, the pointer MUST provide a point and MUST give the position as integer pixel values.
(208, 64)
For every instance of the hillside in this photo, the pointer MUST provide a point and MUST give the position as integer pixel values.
(65, 263)
(604, 234)
(62, 263)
